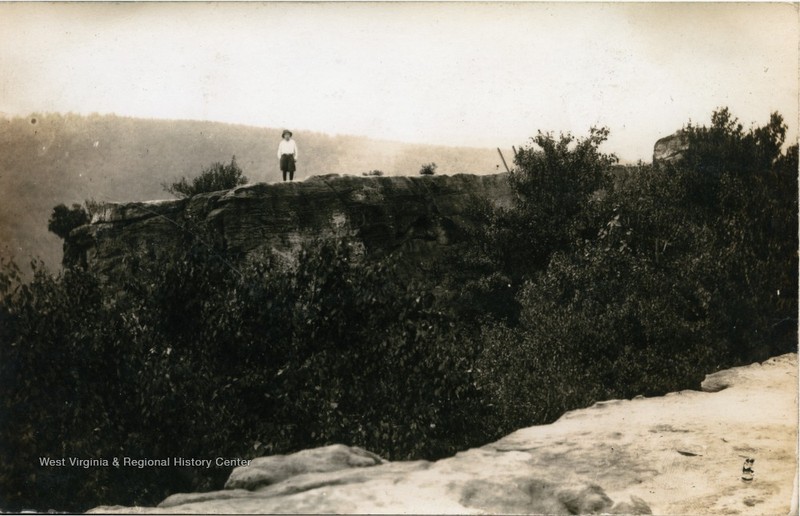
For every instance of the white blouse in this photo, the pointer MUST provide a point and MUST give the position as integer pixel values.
(287, 147)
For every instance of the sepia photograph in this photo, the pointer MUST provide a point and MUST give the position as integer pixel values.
(399, 257)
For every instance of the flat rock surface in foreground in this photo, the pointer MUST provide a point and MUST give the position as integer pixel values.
(677, 454)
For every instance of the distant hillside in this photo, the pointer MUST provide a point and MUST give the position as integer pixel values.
(50, 159)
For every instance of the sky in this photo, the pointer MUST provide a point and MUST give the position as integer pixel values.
(460, 74)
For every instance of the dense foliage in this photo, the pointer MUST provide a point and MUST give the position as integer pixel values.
(63, 220)
(591, 285)
(214, 178)
(666, 274)
(195, 358)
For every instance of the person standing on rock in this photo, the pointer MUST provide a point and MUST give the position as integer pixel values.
(287, 154)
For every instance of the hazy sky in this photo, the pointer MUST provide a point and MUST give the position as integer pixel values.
(446, 73)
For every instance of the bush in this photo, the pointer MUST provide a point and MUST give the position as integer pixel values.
(428, 169)
(63, 220)
(672, 273)
(192, 356)
(376, 173)
(212, 179)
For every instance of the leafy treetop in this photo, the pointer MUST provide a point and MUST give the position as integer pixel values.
(63, 220)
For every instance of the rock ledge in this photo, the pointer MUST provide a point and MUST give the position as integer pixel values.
(677, 454)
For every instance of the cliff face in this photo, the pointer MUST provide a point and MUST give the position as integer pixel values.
(419, 215)
(682, 453)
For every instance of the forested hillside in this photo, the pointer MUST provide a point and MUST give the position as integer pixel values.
(50, 159)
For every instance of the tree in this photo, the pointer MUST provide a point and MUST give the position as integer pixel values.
(554, 182)
(726, 148)
(212, 179)
(720, 154)
(63, 220)
(671, 273)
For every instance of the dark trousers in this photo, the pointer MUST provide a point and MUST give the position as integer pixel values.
(287, 166)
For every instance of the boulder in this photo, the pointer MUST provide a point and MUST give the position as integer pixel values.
(270, 470)
(670, 149)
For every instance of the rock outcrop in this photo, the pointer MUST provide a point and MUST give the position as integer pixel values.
(670, 149)
(420, 215)
(677, 454)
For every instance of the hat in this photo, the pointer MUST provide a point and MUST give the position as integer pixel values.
(285, 132)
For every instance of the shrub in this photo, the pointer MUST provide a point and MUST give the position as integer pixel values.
(212, 179)
(671, 273)
(428, 169)
(63, 220)
(193, 356)
(372, 173)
